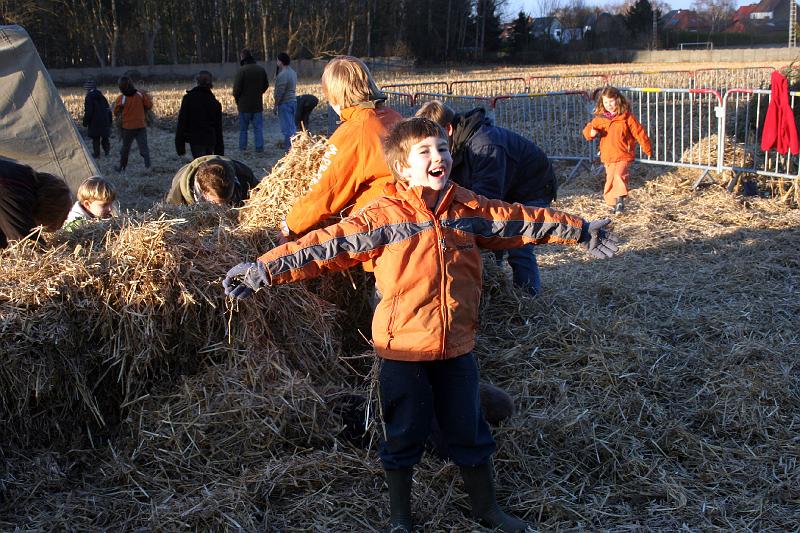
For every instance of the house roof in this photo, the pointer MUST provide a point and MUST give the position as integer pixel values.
(543, 23)
(684, 19)
(744, 12)
(767, 5)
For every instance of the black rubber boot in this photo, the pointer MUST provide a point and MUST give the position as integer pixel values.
(479, 484)
(399, 482)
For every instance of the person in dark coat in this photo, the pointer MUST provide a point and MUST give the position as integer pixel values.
(499, 164)
(200, 120)
(97, 118)
(305, 105)
(249, 87)
(29, 199)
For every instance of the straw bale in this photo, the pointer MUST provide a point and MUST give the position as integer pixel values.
(288, 180)
(91, 322)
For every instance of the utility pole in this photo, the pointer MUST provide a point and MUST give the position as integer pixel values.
(792, 24)
(655, 26)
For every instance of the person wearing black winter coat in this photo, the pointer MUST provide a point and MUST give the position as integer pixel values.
(498, 163)
(29, 199)
(97, 118)
(200, 120)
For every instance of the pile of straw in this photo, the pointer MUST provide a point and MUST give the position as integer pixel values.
(706, 152)
(656, 390)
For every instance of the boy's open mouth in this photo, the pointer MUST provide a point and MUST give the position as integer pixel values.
(436, 172)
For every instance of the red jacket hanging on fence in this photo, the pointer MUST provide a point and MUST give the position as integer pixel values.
(780, 130)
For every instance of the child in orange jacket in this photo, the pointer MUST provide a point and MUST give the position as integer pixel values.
(426, 239)
(353, 171)
(617, 129)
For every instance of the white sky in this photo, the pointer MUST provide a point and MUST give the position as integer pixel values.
(532, 6)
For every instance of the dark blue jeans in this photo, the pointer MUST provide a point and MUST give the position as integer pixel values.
(412, 392)
(257, 119)
(522, 260)
(128, 136)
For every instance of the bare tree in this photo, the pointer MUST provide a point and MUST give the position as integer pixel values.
(719, 12)
(150, 20)
(547, 7)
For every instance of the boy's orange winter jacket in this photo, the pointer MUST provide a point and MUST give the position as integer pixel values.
(132, 108)
(617, 135)
(427, 264)
(353, 171)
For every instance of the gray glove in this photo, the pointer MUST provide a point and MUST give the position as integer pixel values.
(598, 241)
(244, 279)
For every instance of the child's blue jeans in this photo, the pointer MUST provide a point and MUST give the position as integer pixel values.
(411, 392)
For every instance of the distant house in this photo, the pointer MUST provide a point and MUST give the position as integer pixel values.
(765, 16)
(774, 10)
(506, 31)
(602, 29)
(547, 27)
(684, 20)
(601, 23)
(569, 35)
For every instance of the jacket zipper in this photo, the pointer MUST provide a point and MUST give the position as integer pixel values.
(442, 308)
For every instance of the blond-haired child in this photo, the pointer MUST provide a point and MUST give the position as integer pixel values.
(353, 171)
(617, 129)
(426, 239)
(96, 197)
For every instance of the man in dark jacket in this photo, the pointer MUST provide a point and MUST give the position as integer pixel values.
(200, 120)
(214, 179)
(97, 118)
(498, 163)
(29, 199)
(305, 105)
(249, 87)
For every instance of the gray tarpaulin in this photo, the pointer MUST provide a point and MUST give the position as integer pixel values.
(35, 127)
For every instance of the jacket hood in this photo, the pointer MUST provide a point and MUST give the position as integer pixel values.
(130, 91)
(464, 128)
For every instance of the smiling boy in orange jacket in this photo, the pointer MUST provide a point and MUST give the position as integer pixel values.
(425, 238)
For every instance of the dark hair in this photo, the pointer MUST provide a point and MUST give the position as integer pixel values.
(124, 83)
(54, 201)
(284, 58)
(204, 78)
(212, 178)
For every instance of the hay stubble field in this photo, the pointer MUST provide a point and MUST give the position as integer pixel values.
(655, 391)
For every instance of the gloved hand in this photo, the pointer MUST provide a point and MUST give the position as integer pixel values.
(244, 279)
(597, 240)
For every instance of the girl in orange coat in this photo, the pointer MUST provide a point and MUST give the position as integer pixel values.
(617, 129)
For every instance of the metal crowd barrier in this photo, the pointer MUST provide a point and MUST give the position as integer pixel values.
(721, 79)
(422, 87)
(683, 125)
(403, 103)
(566, 82)
(459, 104)
(495, 87)
(669, 79)
(739, 149)
(554, 121)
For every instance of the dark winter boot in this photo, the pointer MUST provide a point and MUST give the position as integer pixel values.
(399, 482)
(479, 484)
